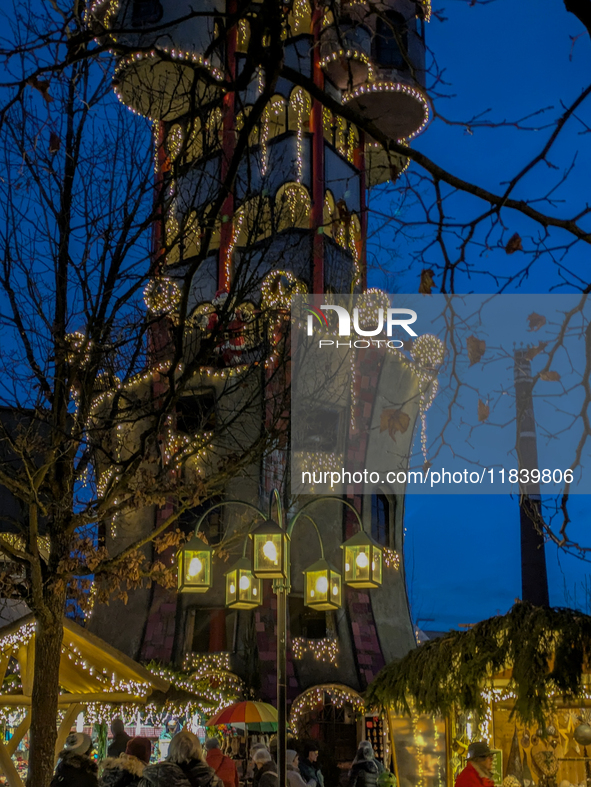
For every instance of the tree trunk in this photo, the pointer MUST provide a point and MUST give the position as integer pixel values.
(43, 732)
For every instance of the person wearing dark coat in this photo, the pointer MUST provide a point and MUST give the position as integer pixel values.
(265, 774)
(127, 769)
(365, 768)
(308, 764)
(120, 738)
(184, 767)
(75, 768)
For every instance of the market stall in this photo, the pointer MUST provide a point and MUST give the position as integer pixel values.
(520, 682)
(91, 673)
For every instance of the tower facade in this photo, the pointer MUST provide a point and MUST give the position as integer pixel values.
(263, 175)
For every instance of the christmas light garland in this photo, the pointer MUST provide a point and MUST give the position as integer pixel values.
(325, 649)
(315, 697)
(392, 87)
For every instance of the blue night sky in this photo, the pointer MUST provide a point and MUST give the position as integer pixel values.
(462, 552)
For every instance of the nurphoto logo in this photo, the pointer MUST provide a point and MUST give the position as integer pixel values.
(403, 318)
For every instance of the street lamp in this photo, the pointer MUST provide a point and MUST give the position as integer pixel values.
(322, 586)
(194, 573)
(243, 589)
(270, 550)
(362, 568)
(362, 562)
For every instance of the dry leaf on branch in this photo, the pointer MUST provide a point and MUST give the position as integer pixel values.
(533, 351)
(42, 86)
(427, 281)
(54, 142)
(536, 321)
(394, 421)
(550, 377)
(483, 411)
(476, 349)
(514, 244)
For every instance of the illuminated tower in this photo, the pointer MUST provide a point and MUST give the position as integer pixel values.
(268, 209)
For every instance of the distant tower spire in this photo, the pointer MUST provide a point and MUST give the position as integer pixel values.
(534, 577)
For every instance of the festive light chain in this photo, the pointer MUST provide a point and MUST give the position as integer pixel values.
(281, 298)
(301, 103)
(21, 637)
(205, 662)
(352, 143)
(392, 87)
(302, 17)
(230, 689)
(325, 649)
(20, 542)
(153, 54)
(428, 351)
(179, 446)
(174, 141)
(427, 9)
(419, 746)
(318, 462)
(293, 205)
(311, 699)
(375, 147)
(391, 558)
(162, 295)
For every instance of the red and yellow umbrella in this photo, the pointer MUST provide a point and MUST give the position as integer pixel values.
(253, 716)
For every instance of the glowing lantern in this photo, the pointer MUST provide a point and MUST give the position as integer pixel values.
(243, 589)
(362, 562)
(322, 586)
(271, 546)
(194, 567)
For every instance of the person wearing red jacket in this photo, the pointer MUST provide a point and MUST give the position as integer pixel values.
(478, 771)
(224, 767)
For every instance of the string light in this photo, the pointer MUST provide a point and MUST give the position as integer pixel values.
(392, 87)
(162, 295)
(349, 54)
(317, 696)
(278, 288)
(325, 649)
(428, 351)
(301, 104)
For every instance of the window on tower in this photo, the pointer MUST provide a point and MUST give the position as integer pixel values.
(210, 630)
(305, 622)
(391, 41)
(196, 412)
(381, 520)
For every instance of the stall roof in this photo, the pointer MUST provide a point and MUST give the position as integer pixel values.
(91, 670)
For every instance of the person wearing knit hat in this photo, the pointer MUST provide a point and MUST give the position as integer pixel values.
(294, 778)
(139, 747)
(75, 767)
(224, 767)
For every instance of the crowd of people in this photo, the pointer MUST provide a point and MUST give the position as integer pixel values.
(187, 764)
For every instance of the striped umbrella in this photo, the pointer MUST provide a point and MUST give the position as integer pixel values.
(252, 716)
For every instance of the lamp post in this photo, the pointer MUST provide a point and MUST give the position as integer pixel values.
(362, 568)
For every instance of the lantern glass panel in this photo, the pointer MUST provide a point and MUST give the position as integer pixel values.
(323, 586)
(243, 589)
(362, 568)
(269, 554)
(376, 564)
(194, 570)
